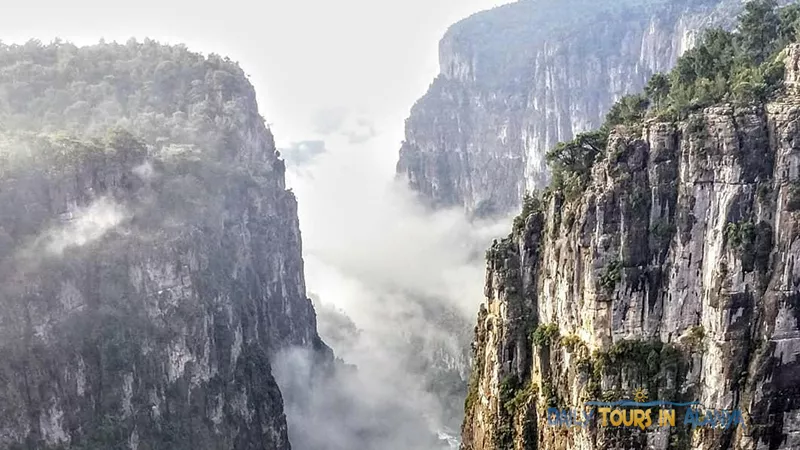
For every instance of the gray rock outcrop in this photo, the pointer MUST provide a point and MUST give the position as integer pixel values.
(518, 79)
(147, 275)
(674, 273)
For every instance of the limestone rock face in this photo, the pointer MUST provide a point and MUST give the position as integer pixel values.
(146, 279)
(516, 80)
(674, 272)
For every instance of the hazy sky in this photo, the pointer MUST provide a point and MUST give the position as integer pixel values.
(309, 59)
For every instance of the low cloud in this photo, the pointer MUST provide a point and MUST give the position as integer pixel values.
(349, 408)
(361, 131)
(84, 225)
(145, 171)
(299, 154)
(356, 128)
(371, 228)
(329, 121)
(405, 282)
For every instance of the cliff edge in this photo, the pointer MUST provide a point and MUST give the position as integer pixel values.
(517, 79)
(150, 254)
(667, 274)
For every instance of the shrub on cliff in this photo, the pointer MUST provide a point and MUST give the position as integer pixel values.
(611, 275)
(630, 109)
(544, 334)
(571, 162)
(530, 205)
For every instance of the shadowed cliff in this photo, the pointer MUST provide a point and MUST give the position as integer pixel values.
(150, 255)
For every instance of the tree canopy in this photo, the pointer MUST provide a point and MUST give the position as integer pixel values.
(162, 93)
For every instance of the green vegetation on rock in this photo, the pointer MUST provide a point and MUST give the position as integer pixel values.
(549, 393)
(663, 230)
(521, 396)
(163, 94)
(740, 235)
(545, 334)
(645, 360)
(571, 162)
(573, 343)
(611, 276)
(509, 388)
(752, 242)
(742, 66)
(531, 204)
(695, 337)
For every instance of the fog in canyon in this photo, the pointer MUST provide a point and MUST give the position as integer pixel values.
(396, 287)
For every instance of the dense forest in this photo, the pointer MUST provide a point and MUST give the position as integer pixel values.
(163, 93)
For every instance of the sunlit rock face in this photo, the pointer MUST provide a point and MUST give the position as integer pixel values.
(675, 272)
(147, 275)
(516, 80)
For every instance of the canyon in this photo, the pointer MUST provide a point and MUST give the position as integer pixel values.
(153, 276)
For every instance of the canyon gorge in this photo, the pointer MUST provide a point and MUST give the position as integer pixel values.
(156, 291)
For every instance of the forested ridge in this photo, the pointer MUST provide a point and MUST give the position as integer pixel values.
(162, 92)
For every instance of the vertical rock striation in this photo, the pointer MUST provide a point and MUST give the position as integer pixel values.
(147, 275)
(675, 273)
(519, 78)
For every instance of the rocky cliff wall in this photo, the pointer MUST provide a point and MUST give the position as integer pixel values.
(675, 273)
(148, 276)
(517, 79)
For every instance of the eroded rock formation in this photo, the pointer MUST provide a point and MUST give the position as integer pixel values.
(147, 275)
(675, 272)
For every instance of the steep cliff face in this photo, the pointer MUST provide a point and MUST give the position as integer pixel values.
(147, 277)
(517, 79)
(674, 273)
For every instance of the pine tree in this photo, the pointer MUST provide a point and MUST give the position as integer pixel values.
(658, 88)
(790, 20)
(759, 29)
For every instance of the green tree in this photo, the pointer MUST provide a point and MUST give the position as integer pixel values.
(718, 45)
(658, 88)
(748, 85)
(759, 29)
(579, 154)
(789, 24)
(628, 109)
(571, 162)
